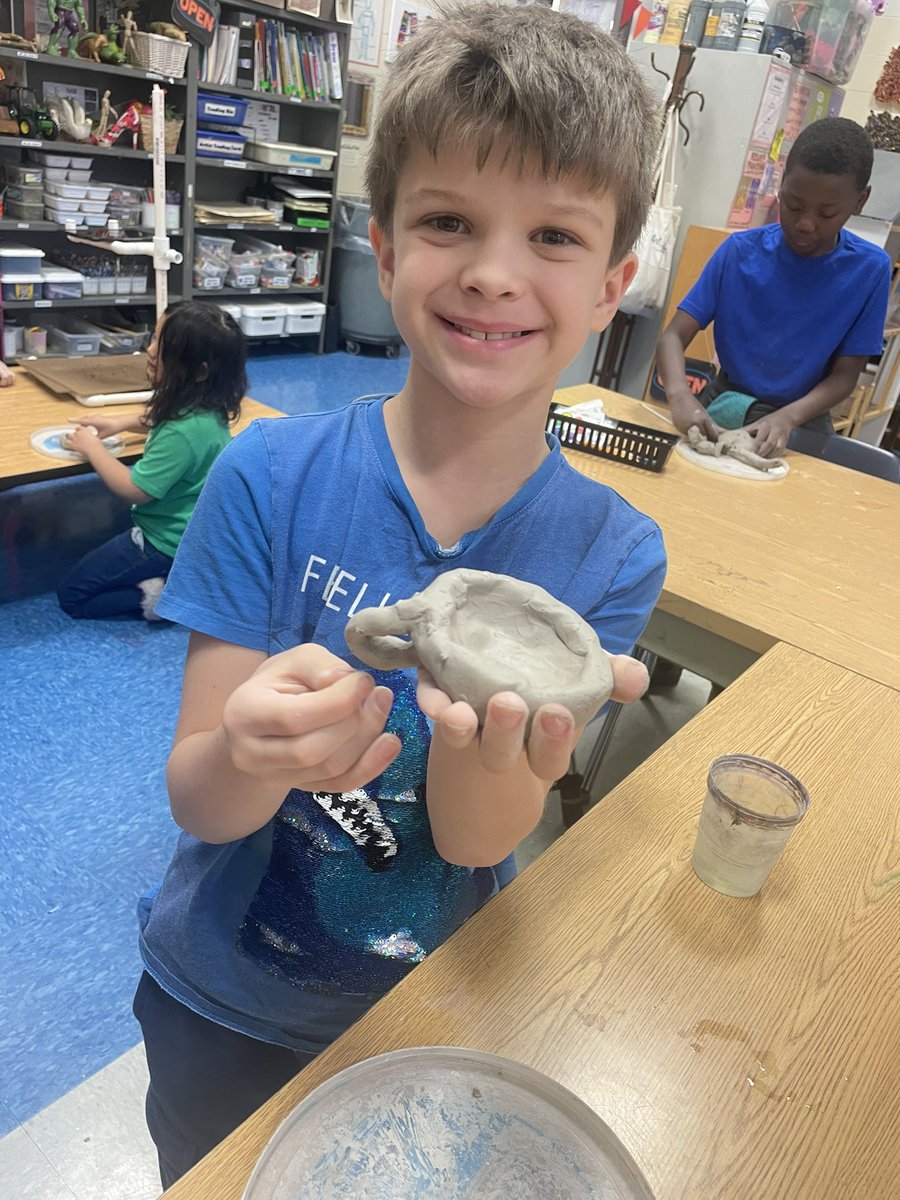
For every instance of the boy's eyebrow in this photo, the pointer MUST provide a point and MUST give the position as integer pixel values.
(447, 196)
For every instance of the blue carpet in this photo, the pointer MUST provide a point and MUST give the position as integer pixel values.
(88, 710)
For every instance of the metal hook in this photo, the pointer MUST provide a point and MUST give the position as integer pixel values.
(684, 100)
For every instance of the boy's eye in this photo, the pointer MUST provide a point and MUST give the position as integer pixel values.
(446, 224)
(555, 237)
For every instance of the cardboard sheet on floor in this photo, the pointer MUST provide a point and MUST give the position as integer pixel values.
(97, 380)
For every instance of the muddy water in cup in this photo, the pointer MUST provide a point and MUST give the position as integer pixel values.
(751, 809)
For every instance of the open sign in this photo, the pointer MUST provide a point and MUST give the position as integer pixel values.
(198, 17)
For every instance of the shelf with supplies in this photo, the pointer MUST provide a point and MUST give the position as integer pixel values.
(73, 62)
(269, 97)
(298, 121)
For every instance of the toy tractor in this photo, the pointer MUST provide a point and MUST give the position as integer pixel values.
(31, 118)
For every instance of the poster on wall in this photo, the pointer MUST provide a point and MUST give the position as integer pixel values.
(365, 37)
(406, 16)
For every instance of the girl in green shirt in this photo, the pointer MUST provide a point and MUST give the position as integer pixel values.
(196, 362)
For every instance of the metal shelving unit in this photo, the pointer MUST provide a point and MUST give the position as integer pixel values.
(305, 121)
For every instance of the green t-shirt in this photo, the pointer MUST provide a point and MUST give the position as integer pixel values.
(173, 469)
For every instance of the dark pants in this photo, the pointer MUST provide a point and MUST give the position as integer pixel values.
(719, 384)
(104, 583)
(205, 1080)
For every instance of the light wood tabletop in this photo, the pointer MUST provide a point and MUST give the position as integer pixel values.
(810, 559)
(28, 406)
(741, 1049)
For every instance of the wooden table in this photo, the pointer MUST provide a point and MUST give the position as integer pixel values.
(28, 405)
(810, 560)
(741, 1049)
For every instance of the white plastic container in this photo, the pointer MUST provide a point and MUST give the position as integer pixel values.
(16, 259)
(60, 206)
(99, 191)
(263, 320)
(303, 316)
(92, 206)
(286, 154)
(95, 220)
(74, 343)
(56, 174)
(50, 160)
(71, 191)
(79, 175)
(61, 283)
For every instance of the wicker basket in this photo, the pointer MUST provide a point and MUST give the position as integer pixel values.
(171, 130)
(155, 53)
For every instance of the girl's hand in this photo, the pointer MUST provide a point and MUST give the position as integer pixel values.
(305, 718)
(553, 731)
(84, 440)
(105, 426)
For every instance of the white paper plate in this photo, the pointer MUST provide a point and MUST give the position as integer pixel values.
(725, 465)
(47, 441)
(440, 1123)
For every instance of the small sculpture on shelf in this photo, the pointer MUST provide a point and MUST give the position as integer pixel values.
(106, 110)
(129, 29)
(128, 122)
(68, 18)
(168, 30)
(90, 45)
(112, 53)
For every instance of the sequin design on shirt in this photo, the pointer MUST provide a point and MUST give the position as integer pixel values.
(355, 893)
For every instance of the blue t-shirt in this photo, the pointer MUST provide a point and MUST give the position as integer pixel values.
(290, 933)
(781, 319)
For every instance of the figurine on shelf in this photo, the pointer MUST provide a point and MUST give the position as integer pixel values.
(90, 45)
(112, 53)
(102, 125)
(167, 29)
(68, 18)
(128, 122)
(129, 29)
(14, 42)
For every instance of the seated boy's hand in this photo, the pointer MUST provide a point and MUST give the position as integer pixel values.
(304, 717)
(771, 433)
(687, 411)
(502, 739)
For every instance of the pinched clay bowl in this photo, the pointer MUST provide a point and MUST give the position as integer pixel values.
(477, 634)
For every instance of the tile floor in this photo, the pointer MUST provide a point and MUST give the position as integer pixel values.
(85, 826)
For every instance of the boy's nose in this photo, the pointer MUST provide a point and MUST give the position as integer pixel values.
(491, 272)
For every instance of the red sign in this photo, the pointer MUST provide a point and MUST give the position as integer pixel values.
(198, 17)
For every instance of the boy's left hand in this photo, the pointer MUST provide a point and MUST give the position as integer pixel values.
(502, 739)
(771, 433)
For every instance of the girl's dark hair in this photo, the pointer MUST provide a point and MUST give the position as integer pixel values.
(204, 357)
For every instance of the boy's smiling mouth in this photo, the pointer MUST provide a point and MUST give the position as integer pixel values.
(486, 335)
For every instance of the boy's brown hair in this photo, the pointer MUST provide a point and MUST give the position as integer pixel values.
(555, 90)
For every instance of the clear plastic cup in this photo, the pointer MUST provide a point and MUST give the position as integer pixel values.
(751, 809)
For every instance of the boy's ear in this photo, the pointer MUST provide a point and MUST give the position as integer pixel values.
(384, 255)
(863, 198)
(618, 280)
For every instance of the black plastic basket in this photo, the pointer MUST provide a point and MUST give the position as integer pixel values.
(622, 442)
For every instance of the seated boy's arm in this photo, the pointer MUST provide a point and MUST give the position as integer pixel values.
(772, 431)
(253, 727)
(685, 408)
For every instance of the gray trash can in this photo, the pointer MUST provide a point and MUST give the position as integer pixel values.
(366, 317)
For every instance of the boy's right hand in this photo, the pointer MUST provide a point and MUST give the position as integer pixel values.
(308, 720)
(687, 411)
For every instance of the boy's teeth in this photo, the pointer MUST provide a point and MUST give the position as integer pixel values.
(480, 336)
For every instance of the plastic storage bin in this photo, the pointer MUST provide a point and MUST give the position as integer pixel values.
(16, 259)
(52, 160)
(113, 340)
(221, 110)
(71, 191)
(24, 173)
(24, 193)
(837, 38)
(263, 320)
(25, 212)
(219, 145)
(286, 154)
(21, 287)
(60, 283)
(366, 316)
(303, 316)
(74, 342)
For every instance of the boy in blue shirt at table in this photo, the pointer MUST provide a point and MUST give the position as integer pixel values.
(798, 306)
(340, 826)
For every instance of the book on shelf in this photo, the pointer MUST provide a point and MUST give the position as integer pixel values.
(289, 62)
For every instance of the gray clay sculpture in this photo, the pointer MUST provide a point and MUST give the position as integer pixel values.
(478, 633)
(737, 444)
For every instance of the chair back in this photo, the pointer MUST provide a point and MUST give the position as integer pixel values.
(847, 452)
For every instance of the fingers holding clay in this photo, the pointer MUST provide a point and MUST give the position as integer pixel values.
(477, 634)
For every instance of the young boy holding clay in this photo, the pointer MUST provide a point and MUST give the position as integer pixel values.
(799, 306)
(335, 835)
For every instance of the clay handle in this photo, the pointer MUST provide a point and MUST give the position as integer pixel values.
(369, 636)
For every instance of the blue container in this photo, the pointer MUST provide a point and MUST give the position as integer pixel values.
(221, 110)
(219, 145)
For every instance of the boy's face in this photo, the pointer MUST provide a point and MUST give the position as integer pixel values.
(814, 207)
(496, 278)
